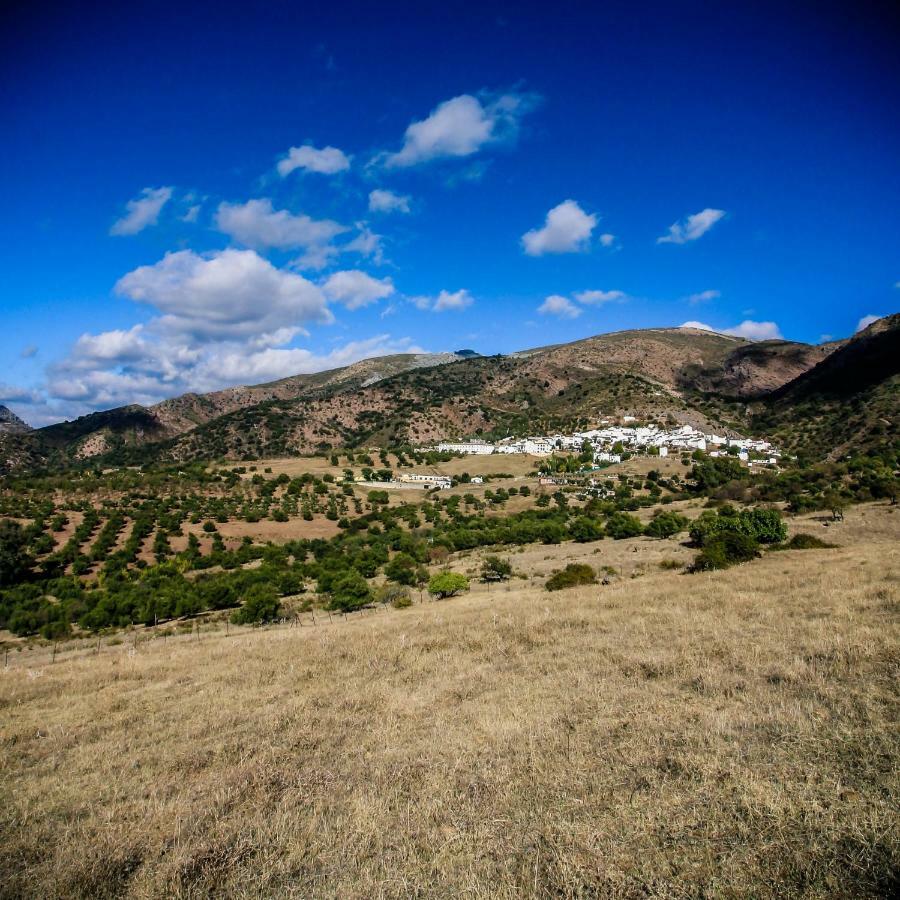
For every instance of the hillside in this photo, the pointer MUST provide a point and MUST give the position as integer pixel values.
(849, 400)
(796, 392)
(721, 735)
(10, 423)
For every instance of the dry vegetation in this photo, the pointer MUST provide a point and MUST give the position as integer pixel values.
(731, 734)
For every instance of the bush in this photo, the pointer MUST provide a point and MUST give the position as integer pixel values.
(666, 524)
(805, 542)
(402, 569)
(350, 591)
(623, 525)
(495, 569)
(572, 575)
(260, 605)
(447, 584)
(392, 594)
(765, 525)
(728, 548)
(585, 529)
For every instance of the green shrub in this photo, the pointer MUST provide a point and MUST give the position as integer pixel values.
(496, 569)
(447, 584)
(350, 591)
(666, 524)
(391, 594)
(402, 569)
(573, 575)
(765, 526)
(623, 525)
(804, 542)
(260, 605)
(585, 529)
(727, 548)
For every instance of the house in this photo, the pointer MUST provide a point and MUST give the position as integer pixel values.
(470, 447)
(439, 481)
(476, 479)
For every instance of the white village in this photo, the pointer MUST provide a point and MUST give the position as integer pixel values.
(610, 444)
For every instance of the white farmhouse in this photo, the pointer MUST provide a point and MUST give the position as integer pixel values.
(479, 448)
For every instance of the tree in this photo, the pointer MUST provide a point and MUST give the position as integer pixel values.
(397, 595)
(402, 569)
(15, 561)
(764, 525)
(572, 575)
(727, 548)
(835, 503)
(351, 591)
(447, 584)
(666, 524)
(261, 604)
(496, 569)
(623, 525)
(585, 529)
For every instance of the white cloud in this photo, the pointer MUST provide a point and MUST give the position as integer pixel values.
(556, 305)
(167, 368)
(191, 214)
(567, 229)
(121, 346)
(754, 331)
(456, 301)
(229, 294)
(385, 201)
(142, 211)
(703, 297)
(29, 351)
(366, 243)
(460, 127)
(607, 240)
(327, 161)
(256, 224)
(866, 321)
(444, 302)
(597, 298)
(11, 393)
(354, 288)
(692, 227)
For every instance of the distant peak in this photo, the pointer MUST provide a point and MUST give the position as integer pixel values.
(10, 423)
(466, 353)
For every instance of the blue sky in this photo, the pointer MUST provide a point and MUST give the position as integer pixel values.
(199, 195)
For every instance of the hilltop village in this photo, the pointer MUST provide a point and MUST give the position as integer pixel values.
(606, 445)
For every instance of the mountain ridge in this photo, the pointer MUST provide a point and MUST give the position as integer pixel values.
(693, 376)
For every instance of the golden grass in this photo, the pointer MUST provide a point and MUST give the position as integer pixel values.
(731, 734)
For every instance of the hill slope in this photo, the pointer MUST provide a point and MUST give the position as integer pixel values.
(10, 423)
(849, 400)
(796, 392)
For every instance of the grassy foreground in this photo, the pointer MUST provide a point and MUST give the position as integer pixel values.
(729, 734)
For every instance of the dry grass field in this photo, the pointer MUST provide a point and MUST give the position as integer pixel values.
(723, 735)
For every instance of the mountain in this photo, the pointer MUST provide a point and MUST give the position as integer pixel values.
(809, 398)
(10, 423)
(850, 400)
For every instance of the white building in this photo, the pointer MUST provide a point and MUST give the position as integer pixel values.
(441, 481)
(473, 447)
